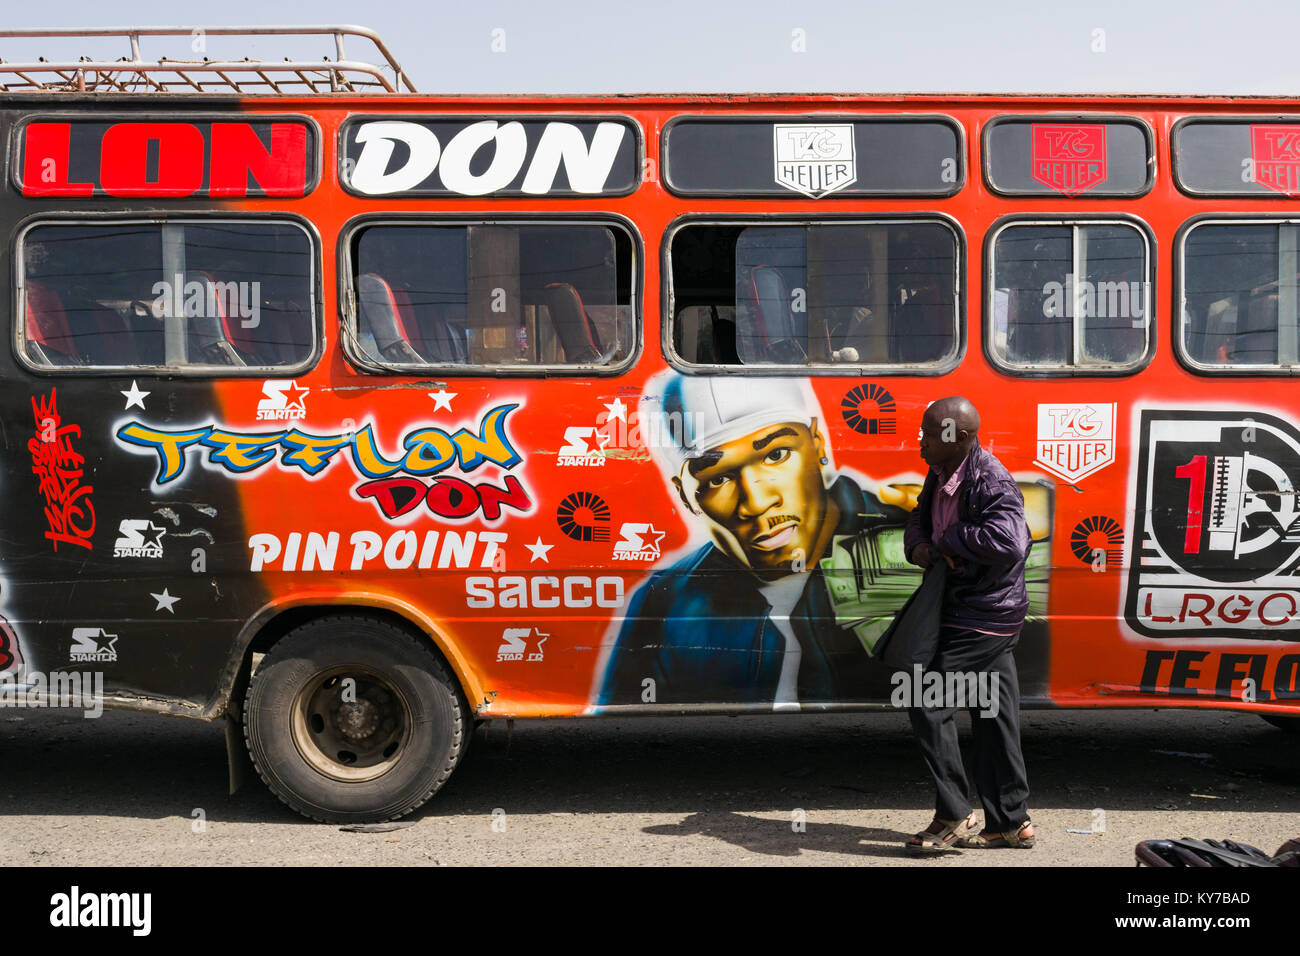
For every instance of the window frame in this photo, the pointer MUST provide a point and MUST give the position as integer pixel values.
(640, 152)
(958, 128)
(18, 338)
(349, 316)
(1180, 273)
(1153, 159)
(1061, 220)
(1235, 119)
(856, 369)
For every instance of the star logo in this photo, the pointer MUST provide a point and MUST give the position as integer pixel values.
(152, 536)
(651, 538)
(295, 395)
(539, 550)
(135, 396)
(616, 409)
(442, 399)
(165, 601)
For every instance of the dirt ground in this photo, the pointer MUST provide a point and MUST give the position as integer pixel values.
(136, 789)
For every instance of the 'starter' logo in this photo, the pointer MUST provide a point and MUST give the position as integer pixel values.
(814, 159)
(576, 450)
(1070, 159)
(514, 644)
(285, 401)
(638, 542)
(93, 644)
(138, 538)
(1074, 441)
(1275, 151)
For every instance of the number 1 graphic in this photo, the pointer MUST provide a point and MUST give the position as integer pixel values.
(1195, 470)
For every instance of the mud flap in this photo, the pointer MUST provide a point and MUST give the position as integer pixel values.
(237, 761)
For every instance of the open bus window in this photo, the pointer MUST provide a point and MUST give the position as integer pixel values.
(530, 295)
(1070, 295)
(802, 295)
(174, 295)
(1239, 284)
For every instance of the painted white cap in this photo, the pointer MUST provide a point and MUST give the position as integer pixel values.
(695, 413)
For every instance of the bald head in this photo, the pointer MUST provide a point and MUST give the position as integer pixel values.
(949, 429)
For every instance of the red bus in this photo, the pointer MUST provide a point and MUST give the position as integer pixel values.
(355, 415)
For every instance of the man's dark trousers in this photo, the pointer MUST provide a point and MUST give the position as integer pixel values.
(999, 766)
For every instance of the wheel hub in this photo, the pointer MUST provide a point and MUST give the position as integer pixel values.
(357, 720)
(351, 723)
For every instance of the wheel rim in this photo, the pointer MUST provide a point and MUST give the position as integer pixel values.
(351, 724)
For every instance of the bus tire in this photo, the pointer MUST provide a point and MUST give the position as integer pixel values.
(364, 752)
(1290, 724)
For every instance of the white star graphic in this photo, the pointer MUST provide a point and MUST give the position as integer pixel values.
(539, 550)
(616, 409)
(135, 396)
(165, 601)
(442, 399)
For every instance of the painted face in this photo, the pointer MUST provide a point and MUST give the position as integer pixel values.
(766, 489)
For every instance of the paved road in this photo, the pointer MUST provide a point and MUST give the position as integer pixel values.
(124, 789)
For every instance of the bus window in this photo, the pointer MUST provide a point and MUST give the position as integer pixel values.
(481, 295)
(176, 295)
(1239, 295)
(1065, 295)
(802, 295)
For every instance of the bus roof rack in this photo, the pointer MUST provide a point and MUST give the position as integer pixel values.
(132, 73)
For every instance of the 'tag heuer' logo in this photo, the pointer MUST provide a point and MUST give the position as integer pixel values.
(1275, 154)
(138, 538)
(284, 401)
(1075, 441)
(815, 159)
(638, 542)
(1068, 158)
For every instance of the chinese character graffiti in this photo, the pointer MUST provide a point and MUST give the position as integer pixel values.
(69, 512)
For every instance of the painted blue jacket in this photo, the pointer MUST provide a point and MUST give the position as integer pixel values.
(701, 631)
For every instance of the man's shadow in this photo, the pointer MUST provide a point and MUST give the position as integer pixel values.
(779, 838)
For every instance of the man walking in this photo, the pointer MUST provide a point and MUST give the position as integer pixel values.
(971, 515)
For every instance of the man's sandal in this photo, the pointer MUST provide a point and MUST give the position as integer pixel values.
(994, 841)
(948, 835)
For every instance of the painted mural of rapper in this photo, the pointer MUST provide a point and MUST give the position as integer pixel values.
(748, 618)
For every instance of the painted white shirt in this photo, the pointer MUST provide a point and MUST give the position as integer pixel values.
(783, 594)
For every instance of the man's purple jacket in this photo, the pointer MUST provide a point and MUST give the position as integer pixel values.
(990, 539)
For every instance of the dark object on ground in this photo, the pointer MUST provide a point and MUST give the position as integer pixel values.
(1212, 853)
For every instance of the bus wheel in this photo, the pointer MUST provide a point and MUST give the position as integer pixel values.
(351, 719)
(1290, 724)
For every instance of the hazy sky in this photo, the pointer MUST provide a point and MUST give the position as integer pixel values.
(1193, 46)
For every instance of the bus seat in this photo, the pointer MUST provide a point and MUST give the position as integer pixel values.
(205, 335)
(49, 337)
(1220, 330)
(1256, 339)
(577, 333)
(108, 340)
(771, 333)
(386, 317)
(922, 328)
(444, 338)
(1032, 337)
